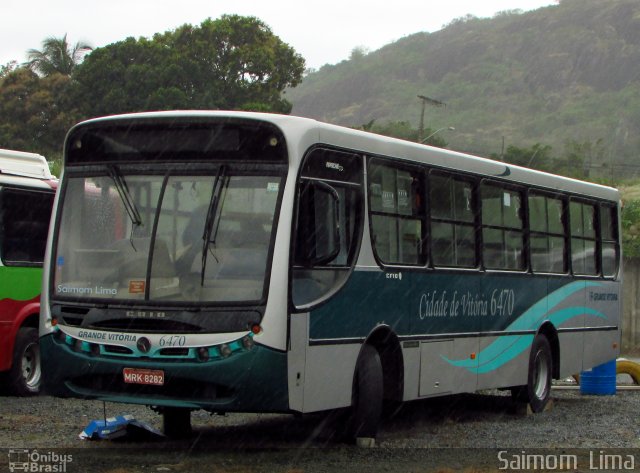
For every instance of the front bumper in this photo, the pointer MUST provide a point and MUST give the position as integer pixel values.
(253, 381)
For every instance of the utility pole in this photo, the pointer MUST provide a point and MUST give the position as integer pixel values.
(425, 101)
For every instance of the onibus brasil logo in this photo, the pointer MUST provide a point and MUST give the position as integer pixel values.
(34, 461)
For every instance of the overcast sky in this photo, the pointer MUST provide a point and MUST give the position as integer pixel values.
(323, 32)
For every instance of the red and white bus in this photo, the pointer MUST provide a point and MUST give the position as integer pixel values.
(27, 189)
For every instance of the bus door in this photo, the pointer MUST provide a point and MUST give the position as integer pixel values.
(327, 233)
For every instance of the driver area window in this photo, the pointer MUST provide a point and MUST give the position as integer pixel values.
(328, 224)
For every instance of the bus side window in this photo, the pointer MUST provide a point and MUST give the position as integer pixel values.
(328, 225)
(547, 235)
(397, 213)
(609, 235)
(453, 236)
(502, 228)
(24, 217)
(583, 238)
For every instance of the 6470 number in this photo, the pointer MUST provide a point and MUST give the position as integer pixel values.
(173, 341)
(502, 302)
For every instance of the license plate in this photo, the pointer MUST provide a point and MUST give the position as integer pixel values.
(138, 376)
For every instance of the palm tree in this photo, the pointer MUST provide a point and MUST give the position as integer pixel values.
(56, 56)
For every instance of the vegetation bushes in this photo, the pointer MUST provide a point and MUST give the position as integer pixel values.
(230, 63)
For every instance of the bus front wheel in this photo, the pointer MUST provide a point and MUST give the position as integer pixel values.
(368, 391)
(176, 422)
(538, 388)
(25, 375)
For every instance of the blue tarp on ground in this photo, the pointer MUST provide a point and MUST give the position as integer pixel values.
(118, 427)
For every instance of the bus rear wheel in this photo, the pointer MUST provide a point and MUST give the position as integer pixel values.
(25, 375)
(368, 391)
(538, 388)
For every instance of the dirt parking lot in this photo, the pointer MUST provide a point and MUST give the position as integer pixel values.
(459, 433)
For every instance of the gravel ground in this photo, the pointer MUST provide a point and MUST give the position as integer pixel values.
(462, 432)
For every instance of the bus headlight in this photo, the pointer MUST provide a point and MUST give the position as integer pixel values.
(60, 336)
(225, 350)
(203, 353)
(247, 342)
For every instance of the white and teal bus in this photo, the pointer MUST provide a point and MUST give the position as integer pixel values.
(241, 262)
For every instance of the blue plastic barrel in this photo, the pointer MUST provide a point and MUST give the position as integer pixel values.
(599, 380)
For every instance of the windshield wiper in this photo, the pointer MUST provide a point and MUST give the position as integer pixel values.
(218, 185)
(125, 195)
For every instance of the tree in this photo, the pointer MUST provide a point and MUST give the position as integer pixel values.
(35, 112)
(631, 228)
(579, 157)
(233, 63)
(404, 131)
(400, 129)
(7, 68)
(16, 88)
(56, 56)
(536, 157)
(358, 53)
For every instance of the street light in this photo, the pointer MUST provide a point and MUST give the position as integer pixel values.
(450, 128)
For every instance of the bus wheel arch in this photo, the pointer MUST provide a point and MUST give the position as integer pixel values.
(367, 396)
(387, 344)
(540, 369)
(550, 332)
(377, 380)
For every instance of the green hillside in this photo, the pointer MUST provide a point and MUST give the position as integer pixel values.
(568, 72)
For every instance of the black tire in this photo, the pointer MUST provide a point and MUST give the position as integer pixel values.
(176, 422)
(25, 375)
(368, 392)
(538, 388)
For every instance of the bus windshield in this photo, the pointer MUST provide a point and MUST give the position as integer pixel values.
(169, 238)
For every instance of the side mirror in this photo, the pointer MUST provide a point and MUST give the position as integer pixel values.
(318, 225)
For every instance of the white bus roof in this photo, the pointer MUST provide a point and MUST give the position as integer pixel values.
(305, 132)
(19, 163)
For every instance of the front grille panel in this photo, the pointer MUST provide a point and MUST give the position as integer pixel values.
(174, 388)
(146, 326)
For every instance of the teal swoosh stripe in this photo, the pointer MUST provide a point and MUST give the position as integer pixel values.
(521, 343)
(532, 317)
(562, 315)
(506, 348)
